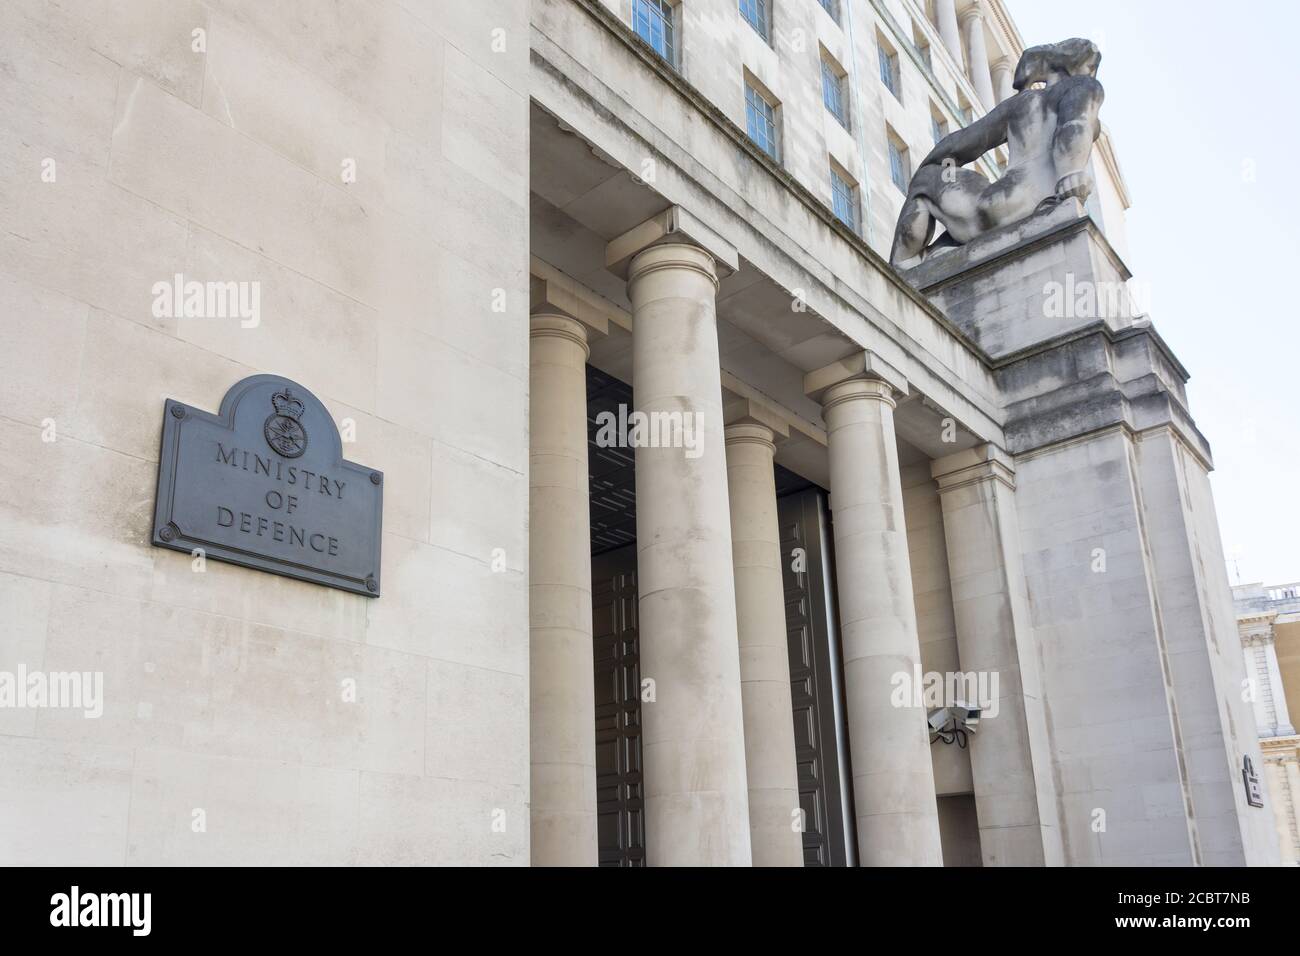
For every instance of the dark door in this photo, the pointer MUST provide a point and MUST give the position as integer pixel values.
(821, 743)
(620, 795)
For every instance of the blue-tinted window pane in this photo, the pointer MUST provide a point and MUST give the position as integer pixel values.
(833, 94)
(843, 201)
(756, 12)
(760, 121)
(830, 7)
(897, 167)
(938, 128)
(653, 22)
(888, 70)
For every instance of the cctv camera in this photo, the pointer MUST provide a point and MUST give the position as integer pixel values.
(968, 715)
(939, 719)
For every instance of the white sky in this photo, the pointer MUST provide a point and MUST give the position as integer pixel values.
(1200, 96)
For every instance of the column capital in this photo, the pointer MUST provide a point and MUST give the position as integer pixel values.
(981, 463)
(750, 433)
(973, 12)
(559, 325)
(672, 226)
(858, 389)
(673, 255)
(860, 366)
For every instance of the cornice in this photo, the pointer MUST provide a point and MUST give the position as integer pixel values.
(649, 58)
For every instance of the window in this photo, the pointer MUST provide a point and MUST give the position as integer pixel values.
(889, 69)
(898, 167)
(760, 121)
(759, 15)
(938, 127)
(833, 94)
(965, 112)
(831, 7)
(653, 22)
(922, 45)
(844, 200)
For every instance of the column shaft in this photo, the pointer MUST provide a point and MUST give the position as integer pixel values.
(946, 15)
(893, 781)
(1015, 796)
(1284, 726)
(764, 657)
(697, 808)
(562, 729)
(1260, 681)
(973, 20)
(1291, 769)
(1282, 803)
(1003, 75)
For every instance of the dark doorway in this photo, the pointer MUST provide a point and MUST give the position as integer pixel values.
(816, 673)
(620, 795)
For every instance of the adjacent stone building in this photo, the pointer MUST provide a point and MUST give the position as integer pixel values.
(686, 490)
(1269, 621)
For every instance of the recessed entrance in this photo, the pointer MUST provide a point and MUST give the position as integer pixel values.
(815, 669)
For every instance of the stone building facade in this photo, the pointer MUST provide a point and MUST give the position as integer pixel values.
(487, 236)
(1269, 622)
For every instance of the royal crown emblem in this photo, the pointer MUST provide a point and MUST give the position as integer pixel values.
(283, 430)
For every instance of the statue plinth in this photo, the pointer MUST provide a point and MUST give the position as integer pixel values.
(1029, 282)
(1046, 299)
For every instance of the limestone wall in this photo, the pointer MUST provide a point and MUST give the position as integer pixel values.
(1206, 665)
(1141, 669)
(225, 691)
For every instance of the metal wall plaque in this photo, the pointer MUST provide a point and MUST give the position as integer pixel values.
(1254, 793)
(263, 484)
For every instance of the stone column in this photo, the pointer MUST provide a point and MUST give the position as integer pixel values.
(893, 780)
(1259, 681)
(1010, 754)
(562, 729)
(1291, 768)
(946, 14)
(973, 22)
(697, 808)
(1004, 72)
(1277, 786)
(764, 657)
(1284, 726)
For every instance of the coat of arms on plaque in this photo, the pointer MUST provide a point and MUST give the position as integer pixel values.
(283, 430)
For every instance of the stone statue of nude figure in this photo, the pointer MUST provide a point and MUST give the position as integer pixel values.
(1049, 131)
